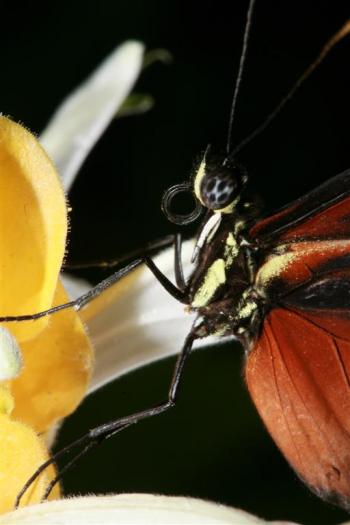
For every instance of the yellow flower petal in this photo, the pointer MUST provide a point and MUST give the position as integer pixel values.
(22, 452)
(33, 226)
(57, 369)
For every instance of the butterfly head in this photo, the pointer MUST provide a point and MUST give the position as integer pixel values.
(218, 184)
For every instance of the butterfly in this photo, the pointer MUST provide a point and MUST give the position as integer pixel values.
(281, 285)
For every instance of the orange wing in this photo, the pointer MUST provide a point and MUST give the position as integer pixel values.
(298, 375)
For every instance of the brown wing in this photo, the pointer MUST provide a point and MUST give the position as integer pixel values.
(298, 374)
(321, 214)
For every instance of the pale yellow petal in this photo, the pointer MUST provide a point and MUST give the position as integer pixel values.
(86, 112)
(132, 509)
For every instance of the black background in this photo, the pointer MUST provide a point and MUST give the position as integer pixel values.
(213, 444)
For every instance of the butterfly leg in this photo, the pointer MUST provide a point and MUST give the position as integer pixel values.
(96, 435)
(174, 291)
(178, 294)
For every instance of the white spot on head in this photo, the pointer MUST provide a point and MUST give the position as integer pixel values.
(207, 232)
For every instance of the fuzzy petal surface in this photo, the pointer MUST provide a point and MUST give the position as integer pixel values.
(33, 227)
(22, 452)
(57, 370)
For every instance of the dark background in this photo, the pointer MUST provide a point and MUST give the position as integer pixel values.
(213, 444)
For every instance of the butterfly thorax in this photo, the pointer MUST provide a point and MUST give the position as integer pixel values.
(222, 286)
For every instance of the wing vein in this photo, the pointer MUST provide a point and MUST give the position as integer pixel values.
(313, 323)
(278, 387)
(340, 360)
(310, 412)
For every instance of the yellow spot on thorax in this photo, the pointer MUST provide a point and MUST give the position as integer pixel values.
(247, 310)
(273, 268)
(231, 241)
(231, 250)
(215, 276)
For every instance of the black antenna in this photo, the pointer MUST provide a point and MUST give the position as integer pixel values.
(339, 35)
(240, 72)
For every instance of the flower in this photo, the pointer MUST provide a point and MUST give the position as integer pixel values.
(56, 352)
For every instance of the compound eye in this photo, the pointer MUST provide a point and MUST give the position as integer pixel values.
(219, 190)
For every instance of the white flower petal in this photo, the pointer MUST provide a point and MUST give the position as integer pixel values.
(84, 115)
(136, 322)
(10, 356)
(74, 286)
(131, 509)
